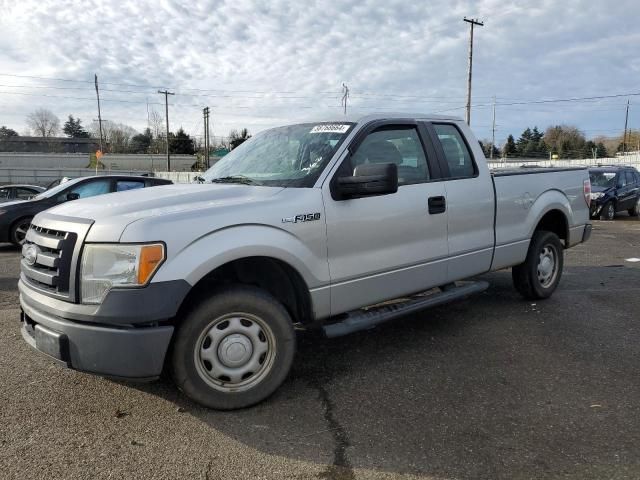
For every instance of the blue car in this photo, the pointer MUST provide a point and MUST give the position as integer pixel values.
(614, 189)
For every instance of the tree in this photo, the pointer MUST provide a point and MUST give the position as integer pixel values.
(509, 149)
(73, 128)
(6, 132)
(486, 149)
(116, 135)
(140, 143)
(236, 139)
(566, 141)
(601, 150)
(43, 123)
(181, 142)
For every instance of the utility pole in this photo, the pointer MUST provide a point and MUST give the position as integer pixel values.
(624, 138)
(205, 112)
(99, 115)
(345, 97)
(473, 23)
(493, 130)
(166, 94)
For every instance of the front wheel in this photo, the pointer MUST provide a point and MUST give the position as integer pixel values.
(233, 349)
(539, 275)
(608, 211)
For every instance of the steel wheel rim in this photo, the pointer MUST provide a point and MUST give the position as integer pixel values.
(547, 269)
(235, 352)
(21, 232)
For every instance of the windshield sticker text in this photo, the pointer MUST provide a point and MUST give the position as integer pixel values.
(330, 128)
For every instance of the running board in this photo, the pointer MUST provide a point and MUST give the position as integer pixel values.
(365, 319)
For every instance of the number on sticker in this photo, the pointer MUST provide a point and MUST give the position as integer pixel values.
(330, 128)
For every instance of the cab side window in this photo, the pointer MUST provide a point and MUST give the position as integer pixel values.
(397, 145)
(5, 193)
(456, 152)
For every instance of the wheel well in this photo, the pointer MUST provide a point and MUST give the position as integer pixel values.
(273, 275)
(556, 222)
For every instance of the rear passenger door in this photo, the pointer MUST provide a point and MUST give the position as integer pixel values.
(469, 197)
(631, 190)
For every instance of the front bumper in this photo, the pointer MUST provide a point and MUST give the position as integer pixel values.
(109, 347)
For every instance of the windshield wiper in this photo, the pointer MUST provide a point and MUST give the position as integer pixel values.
(235, 179)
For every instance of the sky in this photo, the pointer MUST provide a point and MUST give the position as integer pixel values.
(259, 64)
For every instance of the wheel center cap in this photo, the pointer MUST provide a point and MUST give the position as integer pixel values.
(546, 266)
(235, 350)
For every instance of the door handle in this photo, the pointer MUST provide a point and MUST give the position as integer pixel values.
(437, 205)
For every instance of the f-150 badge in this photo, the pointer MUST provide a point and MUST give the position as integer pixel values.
(303, 217)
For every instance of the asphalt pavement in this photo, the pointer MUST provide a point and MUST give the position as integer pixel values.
(493, 387)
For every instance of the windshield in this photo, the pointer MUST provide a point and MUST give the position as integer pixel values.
(291, 156)
(53, 191)
(602, 179)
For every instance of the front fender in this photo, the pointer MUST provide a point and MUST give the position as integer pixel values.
(219, 247)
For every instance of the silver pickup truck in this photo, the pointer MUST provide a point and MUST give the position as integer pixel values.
(314, 225)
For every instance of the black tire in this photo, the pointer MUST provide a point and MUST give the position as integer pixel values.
(19, 230)
(527, 277)
(608, 211)
(200, 378)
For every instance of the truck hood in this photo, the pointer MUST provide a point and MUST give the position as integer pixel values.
(112, 212)
(595, 188)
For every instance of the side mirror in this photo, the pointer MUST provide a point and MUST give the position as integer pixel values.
(73, 196)
(370, 179)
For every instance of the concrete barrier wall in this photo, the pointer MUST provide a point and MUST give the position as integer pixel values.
(44, 176)
(146, 162)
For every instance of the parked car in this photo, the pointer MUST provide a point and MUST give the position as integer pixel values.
(303, 225)
(9, 193)
(16, 216)
(58, 181)
(614, 189)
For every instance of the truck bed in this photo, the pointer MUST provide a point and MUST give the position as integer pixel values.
(524, 195)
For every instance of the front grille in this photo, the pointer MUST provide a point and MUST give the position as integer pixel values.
(50, 254)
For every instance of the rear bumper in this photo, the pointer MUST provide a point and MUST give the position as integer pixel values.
(110, 350)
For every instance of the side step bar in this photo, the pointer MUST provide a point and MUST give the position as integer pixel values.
(365, 319)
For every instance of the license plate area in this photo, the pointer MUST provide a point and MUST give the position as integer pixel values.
(52, 343)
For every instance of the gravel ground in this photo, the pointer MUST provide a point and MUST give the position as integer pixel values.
(492, 387)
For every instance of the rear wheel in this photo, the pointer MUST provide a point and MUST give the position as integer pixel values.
(539, 275)
(608, 211)
(234, 349)
(635, 211)
(19, 231)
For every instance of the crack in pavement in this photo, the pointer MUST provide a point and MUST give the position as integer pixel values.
(341, 468)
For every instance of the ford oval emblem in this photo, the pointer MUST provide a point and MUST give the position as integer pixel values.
(31, 254)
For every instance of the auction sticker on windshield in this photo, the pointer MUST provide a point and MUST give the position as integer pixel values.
(330, 128)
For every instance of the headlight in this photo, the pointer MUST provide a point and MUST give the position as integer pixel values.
(105, 266)
(596, 195)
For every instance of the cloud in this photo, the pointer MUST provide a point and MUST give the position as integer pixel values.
(259, 64)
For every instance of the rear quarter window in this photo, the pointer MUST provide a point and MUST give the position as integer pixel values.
(456, 152)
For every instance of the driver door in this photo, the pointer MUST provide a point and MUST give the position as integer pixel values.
(385, 246)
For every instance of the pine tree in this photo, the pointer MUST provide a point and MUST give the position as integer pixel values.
(509, 149)
(73, 128)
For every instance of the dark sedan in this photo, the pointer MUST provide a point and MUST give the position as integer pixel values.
(19, 192)
(15, 217)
